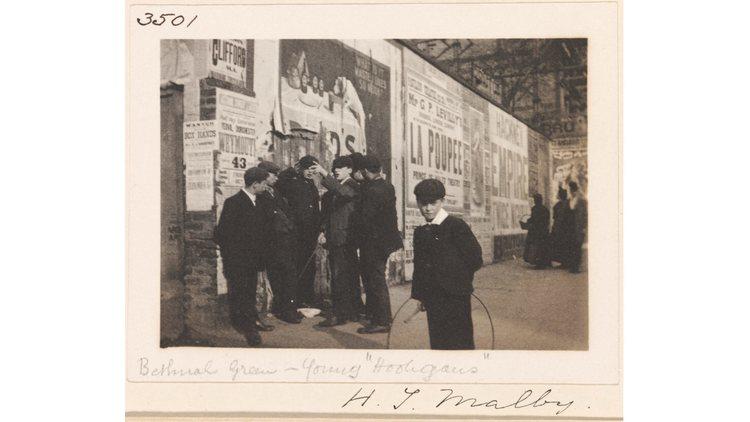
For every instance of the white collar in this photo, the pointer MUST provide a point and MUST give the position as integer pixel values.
(439, 218)
(251, 195)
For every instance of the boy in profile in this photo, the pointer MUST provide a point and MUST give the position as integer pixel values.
(446, 255)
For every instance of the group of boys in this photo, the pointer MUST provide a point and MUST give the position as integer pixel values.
(277, 220)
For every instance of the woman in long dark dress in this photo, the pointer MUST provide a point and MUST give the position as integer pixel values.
(562, 229)
(537, 241)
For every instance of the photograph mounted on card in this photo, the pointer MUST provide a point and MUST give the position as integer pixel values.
(361, 208)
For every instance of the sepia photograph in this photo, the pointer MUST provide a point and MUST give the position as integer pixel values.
(374, 193)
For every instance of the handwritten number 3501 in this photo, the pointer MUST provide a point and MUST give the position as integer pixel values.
(176, 20)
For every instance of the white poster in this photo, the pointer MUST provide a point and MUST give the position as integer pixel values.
(510, 202)
(237, 118)
(200, 139)
(434, 135)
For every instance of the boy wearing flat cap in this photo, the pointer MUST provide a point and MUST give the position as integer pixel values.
(446, 255)
(379, 238)
(339, 207)
(297, 186)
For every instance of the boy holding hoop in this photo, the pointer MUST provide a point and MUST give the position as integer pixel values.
(446, 255)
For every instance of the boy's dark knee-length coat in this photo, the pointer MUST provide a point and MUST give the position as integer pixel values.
(445, 258)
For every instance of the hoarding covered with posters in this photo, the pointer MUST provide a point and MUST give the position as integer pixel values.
(434, 130)
(279, 100)
(510, 202)
(435, 141)
(475, 111)
(334, 100)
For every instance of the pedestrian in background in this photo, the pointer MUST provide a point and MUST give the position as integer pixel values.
(281, 244)
(339, 206)
(446, 255)
(242, 237)
(562, 229)
(297, 186)
(380, 237)
(536, 250)
(579, 207)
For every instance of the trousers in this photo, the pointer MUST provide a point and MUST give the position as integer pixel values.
(378, 301)
(281, 275)
(343, 260)
(242, 284)
(449, 321)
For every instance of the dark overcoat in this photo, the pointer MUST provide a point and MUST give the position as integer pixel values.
(445, 259)
(339, 207)
(378, 221)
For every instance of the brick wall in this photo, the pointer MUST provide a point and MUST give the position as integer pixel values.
(508, 245)
(200, 298)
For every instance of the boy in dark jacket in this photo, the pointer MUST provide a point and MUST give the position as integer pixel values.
(339, 207)
(446, 255)
(297, 186)
(379, 237)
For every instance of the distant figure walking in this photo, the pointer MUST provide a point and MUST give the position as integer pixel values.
(537, 241)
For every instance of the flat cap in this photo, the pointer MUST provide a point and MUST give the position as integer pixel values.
(255, 174)
(342, 161)
(269, 167)
(371, 163)
(429, 190)
(357, 161)
(307, 161)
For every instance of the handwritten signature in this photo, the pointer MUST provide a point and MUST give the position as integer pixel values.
(450, 397)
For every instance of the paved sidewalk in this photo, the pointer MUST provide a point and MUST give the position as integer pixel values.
(530, 310)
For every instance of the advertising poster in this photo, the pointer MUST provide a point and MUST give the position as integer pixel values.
(236, 119)
(336, 97)
(435, 135)
(479, 184)
(509, 145)
(228, 61)
(539, 168)
(200, 139)
(475, 133)
(570, 164)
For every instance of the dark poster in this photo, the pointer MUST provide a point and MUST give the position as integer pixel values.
(334, 100)
(539, 165)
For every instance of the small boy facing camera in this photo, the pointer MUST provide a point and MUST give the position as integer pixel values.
(446, 255)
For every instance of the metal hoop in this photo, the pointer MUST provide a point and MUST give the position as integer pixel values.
(487, 311)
